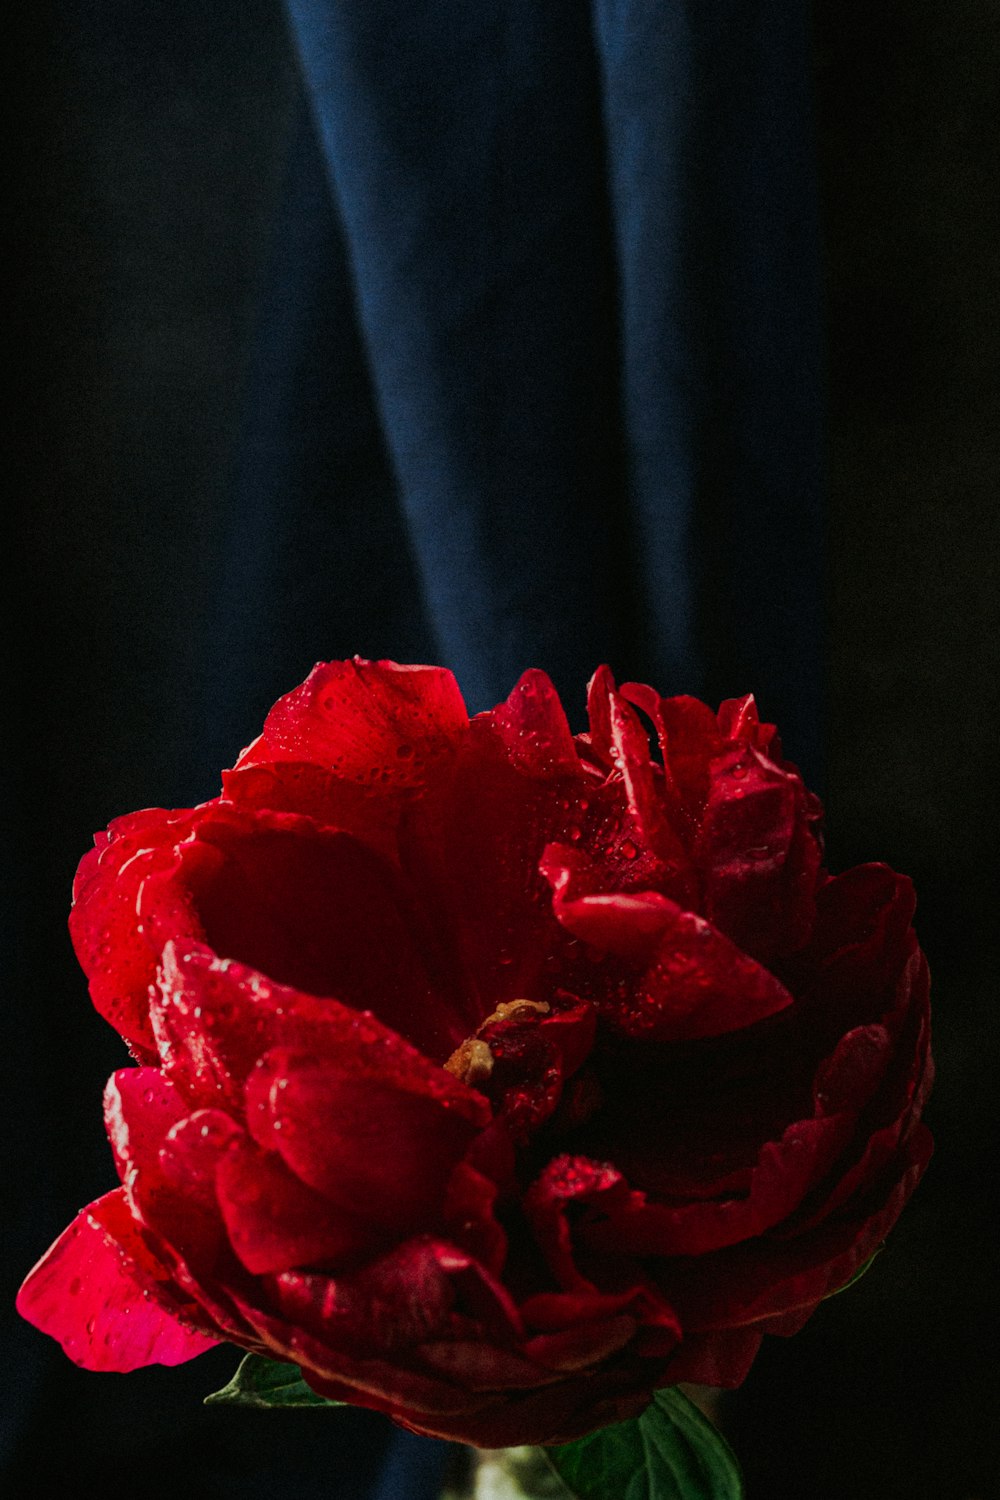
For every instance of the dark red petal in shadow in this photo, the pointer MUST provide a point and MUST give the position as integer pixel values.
(758, 855)
(698, 984)
(398, 1300)
(371, 1145)
(313, 909)
(275, 1222)
(767, 1276)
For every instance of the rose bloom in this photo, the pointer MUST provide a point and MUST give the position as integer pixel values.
(492, 1075)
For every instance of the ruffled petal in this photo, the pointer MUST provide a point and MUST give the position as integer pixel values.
(784, 1172)
(758, 855)
(117, 959)
(216, 1018)
(276, 1222)
(699, 984)
(764, 1277)
(533, 729)
(369, 813)
(374, 1146)
(367, 721)
(93, 1291)
(309, 908)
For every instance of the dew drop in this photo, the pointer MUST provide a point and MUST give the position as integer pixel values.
(629, 850)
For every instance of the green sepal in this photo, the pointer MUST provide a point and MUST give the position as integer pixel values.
(865, 1266)
(267, 1382)
(670, 1452)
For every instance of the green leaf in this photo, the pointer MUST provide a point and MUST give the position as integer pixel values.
(267, 1382)
(865, 1266)
(671, 1452)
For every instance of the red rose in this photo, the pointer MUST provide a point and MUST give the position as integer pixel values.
(495, 1077)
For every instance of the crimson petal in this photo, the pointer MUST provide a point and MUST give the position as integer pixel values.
(112, 951)
(368, 1143)
(698, 984)
(276, 1222)
(532, 726)
(368, 721)
(93, 1292)
(758, 855)
(310, 908)
(626, 923)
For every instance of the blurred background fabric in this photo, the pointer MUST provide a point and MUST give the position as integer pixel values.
(502, 336)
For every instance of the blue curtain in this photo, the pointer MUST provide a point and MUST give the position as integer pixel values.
(537, 370)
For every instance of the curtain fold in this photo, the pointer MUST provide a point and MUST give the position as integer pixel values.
(583, 248)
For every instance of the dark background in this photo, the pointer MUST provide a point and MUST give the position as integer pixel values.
(142, 204)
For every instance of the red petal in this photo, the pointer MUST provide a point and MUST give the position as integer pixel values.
(699, 985)
(583, 1346)
(369, 813)
(91, 1291)
(586, 1185)
(215, 1019)
(532, 726)
(478, 1366)
(469, 1213)
(599, 693)
(398, 1300)
(758, 854)
(381, 1384)
(626, 923)
(689, 738)
(764, 1277)
(470, 848)
(312, 909)
(117, 960)
(721, 1358)
(140, 1107)
(899, 1109)
(630, 753)
(366, 721)
(861, 940)
(738, 719)
(145, 1116)
(275, 1221)
(370, 1144)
